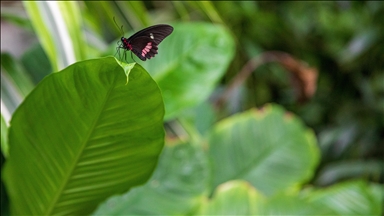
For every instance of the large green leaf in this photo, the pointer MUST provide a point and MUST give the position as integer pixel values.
(351, 198)
(268, 147)
(190, 63)
(234, 198)
(90, 131)
(293, 205)
(176, 187)
(3, 195)
(241, 198)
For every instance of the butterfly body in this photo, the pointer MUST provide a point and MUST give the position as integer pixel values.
(144, 44)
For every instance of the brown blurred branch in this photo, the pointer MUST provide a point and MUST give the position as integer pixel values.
(303, 77)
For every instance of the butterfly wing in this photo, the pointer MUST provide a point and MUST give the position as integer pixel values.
(144, 43)
(144, 47)
(156, 32)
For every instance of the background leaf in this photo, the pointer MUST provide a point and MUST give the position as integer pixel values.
(17, 74)
(190, 63)
(343, 40)
(351, 198)
(349, 169)
(4, 137)
(270, 149)
(36, 63)
(82, 135)
(293, 204)
(176, 187)
(58, 27)
(15, 85)
(234, 198)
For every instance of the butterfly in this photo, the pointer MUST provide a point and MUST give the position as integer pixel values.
(144, 44)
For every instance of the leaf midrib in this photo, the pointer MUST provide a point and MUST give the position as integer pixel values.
(76, 160)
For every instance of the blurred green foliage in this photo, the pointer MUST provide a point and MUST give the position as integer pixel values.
(343, 40)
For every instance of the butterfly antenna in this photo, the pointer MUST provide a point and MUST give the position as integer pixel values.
(121, 28)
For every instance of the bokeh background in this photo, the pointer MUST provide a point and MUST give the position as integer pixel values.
(322, 61)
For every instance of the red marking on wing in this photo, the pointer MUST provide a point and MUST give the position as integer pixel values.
(146, 49)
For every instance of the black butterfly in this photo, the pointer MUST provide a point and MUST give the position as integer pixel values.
(144, 43)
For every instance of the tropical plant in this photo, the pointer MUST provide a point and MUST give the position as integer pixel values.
(84, 132)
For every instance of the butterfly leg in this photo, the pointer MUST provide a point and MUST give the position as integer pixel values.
(132, 58)
(125, 56)
(118, 52)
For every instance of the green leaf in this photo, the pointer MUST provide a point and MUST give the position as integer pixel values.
(210, 10)
(33, 58)
(234, 198)
(4, 202)
(58, 27)
(15, 84)
(190, 63)
(176, 187)
(241, 198)
(43, 32)
(82, 135)
(103, 24)
(334, 172)
(72, 17)
(293, 205)
(136, 13)
(269, 148)
(16, 75)
(351, 198)
(201, 117)
(4, 137)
